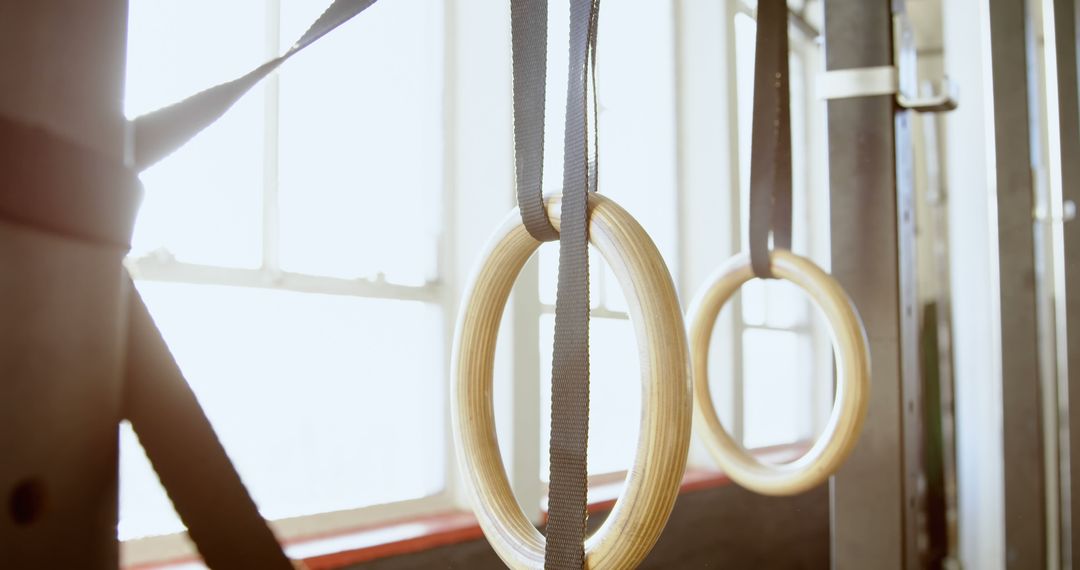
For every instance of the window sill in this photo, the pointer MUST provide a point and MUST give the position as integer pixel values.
(369, 543)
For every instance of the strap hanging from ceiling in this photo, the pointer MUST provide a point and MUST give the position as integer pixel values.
(770, 214)
(770, 150)
(568, 490)
(157, 399)
(204, 487)
(160, 133)
(529, 21)
(567, 513)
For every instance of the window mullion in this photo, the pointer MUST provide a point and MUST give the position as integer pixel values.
(270, 218)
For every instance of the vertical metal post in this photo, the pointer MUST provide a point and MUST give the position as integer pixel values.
(914, 440)
(872, 240)
(1061, 33)
(1024, 476)
(62, 302)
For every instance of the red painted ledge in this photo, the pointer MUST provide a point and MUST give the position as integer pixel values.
(355, 546)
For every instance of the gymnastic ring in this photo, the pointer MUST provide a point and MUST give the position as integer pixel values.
(852, 377)
(652, 484)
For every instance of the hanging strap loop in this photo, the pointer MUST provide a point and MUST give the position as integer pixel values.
(529, 41)
(568, 491)
(567, 513)
(770, 150)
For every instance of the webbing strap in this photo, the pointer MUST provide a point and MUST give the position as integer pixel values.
(204, 487)
(770, 150)
(567, 513)
(160, 133)
(568, 490)
(528, 26)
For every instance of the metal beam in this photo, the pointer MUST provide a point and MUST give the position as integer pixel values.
(1024, 473)
(871, 239)
(1061, 34)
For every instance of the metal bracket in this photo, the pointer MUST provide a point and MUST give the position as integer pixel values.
(858, 82)
(883, 80)
(942, 102)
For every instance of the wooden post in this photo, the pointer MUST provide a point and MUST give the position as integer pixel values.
(62, 302)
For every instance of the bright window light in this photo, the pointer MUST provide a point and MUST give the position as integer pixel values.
(204, 203)
(779, 365)
(777, 386)
(614, 394)
(361, 127)
(327, 397)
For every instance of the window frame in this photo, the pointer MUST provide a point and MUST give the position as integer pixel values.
(161, 266)
(806, 47)
(477, 192)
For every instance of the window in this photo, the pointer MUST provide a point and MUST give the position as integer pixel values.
(785, 354)
(291, 255)
(305, 255)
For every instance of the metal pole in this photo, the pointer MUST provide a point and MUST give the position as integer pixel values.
(1024, 476)
(1061, 33)
(872, 238)
(62, 302)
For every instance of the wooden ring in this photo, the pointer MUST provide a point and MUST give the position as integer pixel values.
(852, 377)
(652, 484)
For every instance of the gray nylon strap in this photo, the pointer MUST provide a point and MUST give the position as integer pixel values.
(770, 150)
(529, 20)
(567, 512)
(162, 132)
(204, 487)
(568, 490)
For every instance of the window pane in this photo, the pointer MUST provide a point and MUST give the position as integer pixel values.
(777, 376)
(203, 204)
(801, 175)
(753, 297)
(774, 303)
(324, 402)
(548, 268)
(636, 117)
(787, 304)
(361, 144)
(614, 394)
(145, 509)
(745, 38)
